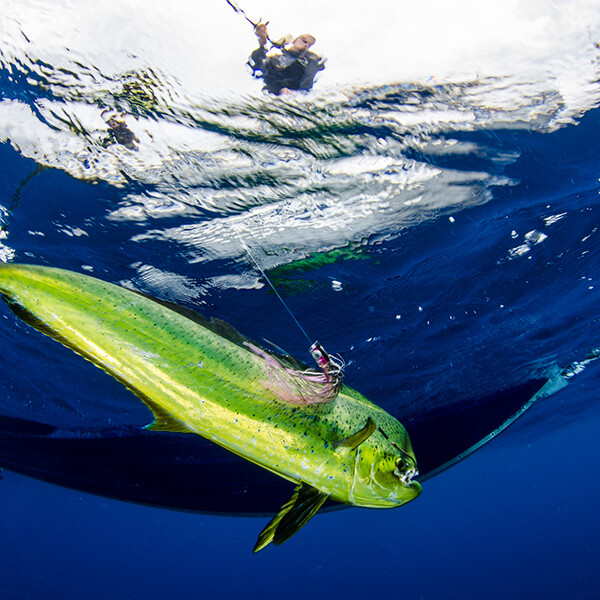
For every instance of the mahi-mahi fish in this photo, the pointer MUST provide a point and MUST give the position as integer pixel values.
(202, 377)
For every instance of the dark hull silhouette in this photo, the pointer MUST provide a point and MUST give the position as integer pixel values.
(187, 472)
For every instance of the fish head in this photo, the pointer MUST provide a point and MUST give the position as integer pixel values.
(385, 468)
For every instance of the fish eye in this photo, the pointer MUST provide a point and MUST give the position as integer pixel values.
(405, 469)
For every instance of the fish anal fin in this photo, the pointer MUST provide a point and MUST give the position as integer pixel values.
(294, 514)
(352, 442)
(164, 421)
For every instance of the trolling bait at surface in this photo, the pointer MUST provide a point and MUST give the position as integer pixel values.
(203, 377)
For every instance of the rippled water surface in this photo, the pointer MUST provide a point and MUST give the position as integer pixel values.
(429, 211)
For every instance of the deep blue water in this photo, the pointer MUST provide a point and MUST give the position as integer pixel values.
(445, 257)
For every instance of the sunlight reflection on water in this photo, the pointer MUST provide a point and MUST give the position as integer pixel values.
(368, 152)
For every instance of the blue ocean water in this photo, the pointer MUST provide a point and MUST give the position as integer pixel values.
(440, 235)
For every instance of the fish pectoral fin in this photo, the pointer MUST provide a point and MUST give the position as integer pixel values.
(294, 514)
(356, 439)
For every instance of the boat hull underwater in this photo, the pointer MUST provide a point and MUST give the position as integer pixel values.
(187, 472)
(163, 465)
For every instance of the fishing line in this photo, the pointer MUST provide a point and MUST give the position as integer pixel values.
(260, 269)
(331, 366)
(241, 12)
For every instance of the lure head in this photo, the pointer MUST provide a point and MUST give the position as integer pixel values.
(320, 356)
(385, 466)
(332, 366)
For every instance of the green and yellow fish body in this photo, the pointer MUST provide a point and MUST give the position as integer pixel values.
(204, 378)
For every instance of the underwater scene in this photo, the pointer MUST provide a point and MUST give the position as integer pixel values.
(272, 271)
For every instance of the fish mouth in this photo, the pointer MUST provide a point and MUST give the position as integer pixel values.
(414, 488)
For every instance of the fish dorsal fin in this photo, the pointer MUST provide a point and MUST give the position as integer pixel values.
(352, 442)
(294, 514)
